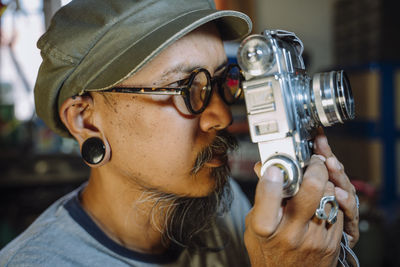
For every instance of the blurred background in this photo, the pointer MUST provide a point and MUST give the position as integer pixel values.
(359, 36)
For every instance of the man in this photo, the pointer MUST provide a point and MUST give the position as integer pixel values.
(141, 86)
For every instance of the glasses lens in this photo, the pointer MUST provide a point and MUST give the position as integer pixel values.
(180, 104)
(231, 85)
(199, 91)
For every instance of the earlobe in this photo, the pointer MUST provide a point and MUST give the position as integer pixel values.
(95, 151)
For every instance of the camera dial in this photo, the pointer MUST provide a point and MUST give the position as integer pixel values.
(290, 170)
(256, 55)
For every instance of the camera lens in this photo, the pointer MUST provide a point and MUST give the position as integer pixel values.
(332, 97)
(345, 96)
(255, 55)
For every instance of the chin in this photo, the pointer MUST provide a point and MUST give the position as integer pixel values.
(209, 180)
(201, 184)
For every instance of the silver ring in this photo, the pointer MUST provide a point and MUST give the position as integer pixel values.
(320, 211)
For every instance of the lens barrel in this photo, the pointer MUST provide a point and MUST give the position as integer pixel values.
(332, 97)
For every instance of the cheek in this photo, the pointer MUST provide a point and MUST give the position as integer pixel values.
(172, 139)
(160, 138)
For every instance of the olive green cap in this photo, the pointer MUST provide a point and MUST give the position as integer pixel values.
(92, 45)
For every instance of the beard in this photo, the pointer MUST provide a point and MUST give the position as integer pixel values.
(185, 220)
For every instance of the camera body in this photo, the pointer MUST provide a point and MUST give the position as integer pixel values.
(284, 105)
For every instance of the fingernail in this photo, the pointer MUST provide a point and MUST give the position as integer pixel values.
(273, 174)
(320, 157)
(321, 141)
(257, 169)
(257, 166)
(341, 194)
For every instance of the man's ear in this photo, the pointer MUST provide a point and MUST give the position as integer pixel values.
(77, 115)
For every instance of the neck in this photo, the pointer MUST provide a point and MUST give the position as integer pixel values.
(120, 209)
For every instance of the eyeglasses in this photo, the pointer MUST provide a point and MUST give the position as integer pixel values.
(197, 89)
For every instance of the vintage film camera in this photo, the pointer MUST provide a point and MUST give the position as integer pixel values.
(284, 105)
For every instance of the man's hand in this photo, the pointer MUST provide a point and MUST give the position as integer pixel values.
(286, 232)
(344, 191)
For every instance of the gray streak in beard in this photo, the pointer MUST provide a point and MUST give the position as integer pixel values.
(186, 220)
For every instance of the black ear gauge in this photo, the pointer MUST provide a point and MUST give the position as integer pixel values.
(93, 150)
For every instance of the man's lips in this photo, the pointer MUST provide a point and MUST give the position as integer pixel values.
(215, 154)
(216, 161)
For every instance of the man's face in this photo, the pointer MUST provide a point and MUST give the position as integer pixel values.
(155, 144)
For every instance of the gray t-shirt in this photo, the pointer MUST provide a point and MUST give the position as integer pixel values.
(64, 235)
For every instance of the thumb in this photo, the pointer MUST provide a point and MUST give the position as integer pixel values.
(267, 210)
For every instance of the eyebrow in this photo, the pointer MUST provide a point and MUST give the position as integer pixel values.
(183, 68)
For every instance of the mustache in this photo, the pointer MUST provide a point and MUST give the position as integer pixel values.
(221, 145)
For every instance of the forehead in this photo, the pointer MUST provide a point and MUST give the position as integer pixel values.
(201, 48)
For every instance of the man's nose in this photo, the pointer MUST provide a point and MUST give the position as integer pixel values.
(217, 115)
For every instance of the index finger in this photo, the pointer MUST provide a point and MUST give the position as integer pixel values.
(302, 206)
(321, 146)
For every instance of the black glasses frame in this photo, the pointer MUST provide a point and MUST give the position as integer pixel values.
(184, 90)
